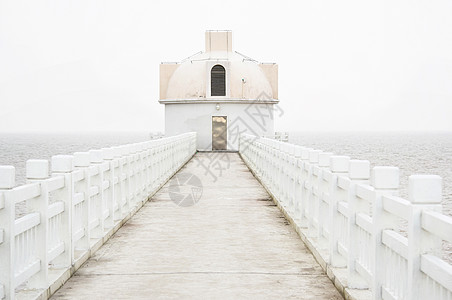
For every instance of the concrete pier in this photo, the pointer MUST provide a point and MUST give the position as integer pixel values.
(233, 243)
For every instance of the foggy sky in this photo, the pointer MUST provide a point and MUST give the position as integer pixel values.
(343, 65)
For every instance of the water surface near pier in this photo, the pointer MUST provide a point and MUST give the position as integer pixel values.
(413, 153)
(17, 148)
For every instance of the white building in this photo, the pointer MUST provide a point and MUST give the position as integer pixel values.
(219, 93)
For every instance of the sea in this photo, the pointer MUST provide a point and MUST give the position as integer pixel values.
(17, 148)
(411, 152)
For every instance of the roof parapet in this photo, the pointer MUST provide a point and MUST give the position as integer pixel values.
(218, 40)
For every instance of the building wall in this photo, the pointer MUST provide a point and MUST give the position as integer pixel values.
(166, 71)
(218, 40)
(256, 119)
(191, 80)
(271, 71)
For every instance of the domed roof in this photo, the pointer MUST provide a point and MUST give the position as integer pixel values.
(245, 79)
(188, 81)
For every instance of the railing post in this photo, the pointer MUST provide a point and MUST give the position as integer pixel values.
(134, 175)
(288, 149)
(424, 193)
(324, 178)
(338, 166)
(297, 187)
(146, 172)
(63, 165)
(358, 172)
(153, 166)
(125, 174)
(140, 170)
(81, 163)
(150, 166)
(120, 190)
(278, 188)
(109, 193)
(158, 163)
(37, 170)
(7, 216)
(284, 176)
(313, 199)
(96, 160)
(303, 178)
(292, 179)
(385, 180)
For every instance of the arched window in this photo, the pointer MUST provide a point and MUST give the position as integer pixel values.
(218, 81)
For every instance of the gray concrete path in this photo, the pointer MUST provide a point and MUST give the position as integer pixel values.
(232, 244)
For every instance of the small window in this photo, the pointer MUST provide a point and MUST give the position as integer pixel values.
(218, 81)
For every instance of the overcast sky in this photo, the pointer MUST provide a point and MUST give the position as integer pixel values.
(343, 65)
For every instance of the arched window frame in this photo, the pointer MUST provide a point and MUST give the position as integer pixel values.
(218, 86)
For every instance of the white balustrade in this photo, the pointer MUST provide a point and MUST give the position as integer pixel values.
(352, 219)
(72, 212)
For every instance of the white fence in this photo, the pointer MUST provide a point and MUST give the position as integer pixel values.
(351, 219)
(72, 212)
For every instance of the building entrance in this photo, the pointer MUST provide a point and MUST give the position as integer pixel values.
(219, 133)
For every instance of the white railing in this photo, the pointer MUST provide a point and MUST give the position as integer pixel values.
(72, 212)
(365, 237)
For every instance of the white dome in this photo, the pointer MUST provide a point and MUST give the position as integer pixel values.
(189, 80)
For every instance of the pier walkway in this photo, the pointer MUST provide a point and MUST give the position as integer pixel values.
(233, 243)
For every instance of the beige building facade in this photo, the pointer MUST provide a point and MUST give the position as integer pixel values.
(219, 93)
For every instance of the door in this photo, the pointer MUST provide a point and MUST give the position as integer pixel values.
(219, 133)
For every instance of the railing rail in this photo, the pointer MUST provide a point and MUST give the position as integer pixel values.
(353, 221)
(73, 209)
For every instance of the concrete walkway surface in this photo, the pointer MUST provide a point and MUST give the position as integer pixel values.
(234, 243)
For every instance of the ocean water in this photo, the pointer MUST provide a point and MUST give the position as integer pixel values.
(412, 152)
(16, 149)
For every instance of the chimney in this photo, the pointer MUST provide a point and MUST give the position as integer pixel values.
(218, 40)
